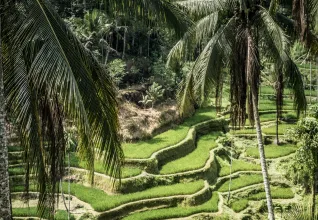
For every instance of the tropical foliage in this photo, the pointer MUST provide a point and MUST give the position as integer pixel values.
(48, 77)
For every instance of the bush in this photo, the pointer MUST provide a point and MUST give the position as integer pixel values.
(116, 69)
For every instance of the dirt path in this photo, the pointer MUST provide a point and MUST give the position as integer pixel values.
(78, 207)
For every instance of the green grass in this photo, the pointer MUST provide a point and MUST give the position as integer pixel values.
(100, 201)
(177, 212)
(282, 128)
(264, 118)
(144, 149)
(237, 165)
(32, 212)
(270, 105)
(127, 171)
(244, 131)
(14, 148)
(16, 171)
(276, 192)
(270, 90)
(272, 151)
(241, 181)
(272, 117)
(195, 159)
(239, 205)
(20, 188)
(307, 66)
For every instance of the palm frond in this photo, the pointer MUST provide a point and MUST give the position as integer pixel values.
(300, 211)
(66, 80)
(207, 67)
(186, 100)
(199, 8)
(203, 29)
(295, 82)
(276, 47)
(271, 32)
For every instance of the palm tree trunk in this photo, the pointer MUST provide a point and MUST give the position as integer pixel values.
(69, 186)
(124, 46)
(262, 157)
(314, 186)
(310, 83)
(230, 183)
(5, 200)
(313, 192)
(277, 124)
(250, 72)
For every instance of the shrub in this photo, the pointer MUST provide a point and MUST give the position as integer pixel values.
(155, 92)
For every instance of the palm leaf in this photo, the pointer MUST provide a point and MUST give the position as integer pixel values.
(200, 8)
(65, 75)
(203, 29)
(206, 69)
(276, 46)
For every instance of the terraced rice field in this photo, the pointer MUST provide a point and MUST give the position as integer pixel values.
(160, 184)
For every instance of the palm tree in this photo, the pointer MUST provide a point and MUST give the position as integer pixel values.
(238, 34)
(5, 200)
(47, 76)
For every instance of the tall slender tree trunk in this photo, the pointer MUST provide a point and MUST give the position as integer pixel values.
(279, 90)
(310, 82)
(250, 72)
(277, 124)
(313, 192)
(69, 186)
(262, 157)
(230, 182)
(314, 185)
(5, 200)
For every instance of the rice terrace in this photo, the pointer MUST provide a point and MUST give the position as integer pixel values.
(158, 109)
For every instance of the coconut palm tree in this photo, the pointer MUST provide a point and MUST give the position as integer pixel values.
(47, 76)
(238, 34)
